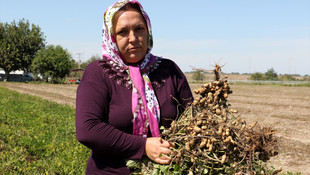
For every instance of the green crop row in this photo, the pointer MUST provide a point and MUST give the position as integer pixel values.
(38, 136)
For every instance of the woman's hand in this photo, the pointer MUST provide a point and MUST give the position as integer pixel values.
(158, 150)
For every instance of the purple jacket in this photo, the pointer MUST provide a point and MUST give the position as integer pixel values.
(104, 116)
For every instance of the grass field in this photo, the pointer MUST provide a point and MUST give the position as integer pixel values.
(38, 136)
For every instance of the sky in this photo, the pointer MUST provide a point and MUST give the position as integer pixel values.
(245, 36)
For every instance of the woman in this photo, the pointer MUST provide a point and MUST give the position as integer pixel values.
(124, 98)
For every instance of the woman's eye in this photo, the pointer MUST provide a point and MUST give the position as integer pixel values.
(121, 32)
(140, 29)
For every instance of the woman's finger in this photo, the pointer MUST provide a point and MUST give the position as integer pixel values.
(164, 157)
(158, 150)
(163, 160)
(165, 144)
(165, 151)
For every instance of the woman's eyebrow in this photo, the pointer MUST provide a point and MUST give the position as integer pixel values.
(121, 28)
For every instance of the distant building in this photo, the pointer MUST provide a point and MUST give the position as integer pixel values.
(75, 75)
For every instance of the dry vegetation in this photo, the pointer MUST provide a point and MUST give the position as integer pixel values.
(209, 138)
(285, 108)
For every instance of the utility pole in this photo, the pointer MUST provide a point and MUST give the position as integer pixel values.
(209, 61)
(250, 65)
(79, 63)
(289, 66)
(309, 68)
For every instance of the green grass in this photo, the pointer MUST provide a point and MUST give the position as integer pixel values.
(38, 137)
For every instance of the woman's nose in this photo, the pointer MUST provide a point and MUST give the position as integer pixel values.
(132, 36)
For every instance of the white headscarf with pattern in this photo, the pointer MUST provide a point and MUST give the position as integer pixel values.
(145, 106)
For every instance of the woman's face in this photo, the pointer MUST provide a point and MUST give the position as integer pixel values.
(131, 35)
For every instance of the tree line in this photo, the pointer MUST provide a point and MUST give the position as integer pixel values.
(269, 75)
(23, 47)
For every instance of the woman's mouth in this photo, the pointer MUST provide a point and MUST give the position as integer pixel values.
(133, 49)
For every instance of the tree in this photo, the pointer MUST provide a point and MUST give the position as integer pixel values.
(257, 76)
(91, 59)
(198, 75)
(19, 43)
(53, 62)
(287, 77)
(271, 74)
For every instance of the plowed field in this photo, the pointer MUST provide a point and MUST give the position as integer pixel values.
(286, 108)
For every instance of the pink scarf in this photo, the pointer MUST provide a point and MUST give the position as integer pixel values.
(145, 107)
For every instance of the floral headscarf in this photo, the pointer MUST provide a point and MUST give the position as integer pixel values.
(145, 107)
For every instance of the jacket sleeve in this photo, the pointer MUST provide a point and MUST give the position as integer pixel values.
(92, 129)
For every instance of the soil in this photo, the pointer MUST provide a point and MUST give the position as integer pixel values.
(285, 108)
(62, 94)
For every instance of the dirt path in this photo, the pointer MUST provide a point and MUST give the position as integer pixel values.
(63, 94)
(287, 109)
